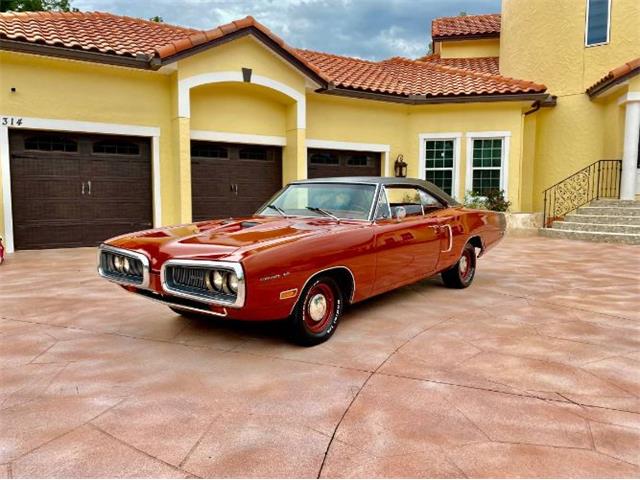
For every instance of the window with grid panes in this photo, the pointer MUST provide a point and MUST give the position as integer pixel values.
(487, 165)
(439, 164)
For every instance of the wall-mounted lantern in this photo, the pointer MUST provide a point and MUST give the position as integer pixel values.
(400, 167)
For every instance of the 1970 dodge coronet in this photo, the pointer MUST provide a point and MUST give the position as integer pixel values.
(316, 245)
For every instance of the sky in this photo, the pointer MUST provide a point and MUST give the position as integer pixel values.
(370, 29)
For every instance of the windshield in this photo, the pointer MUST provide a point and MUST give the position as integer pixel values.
(330, 200)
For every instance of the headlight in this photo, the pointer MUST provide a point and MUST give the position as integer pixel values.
(118, 263)
(126, 266)
(232, 281)
(218, 279)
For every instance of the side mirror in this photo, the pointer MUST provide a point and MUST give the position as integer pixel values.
(400, 213)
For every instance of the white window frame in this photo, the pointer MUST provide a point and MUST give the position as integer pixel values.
(423, 138)
(504, 160)
(586, 27)
(74, 126)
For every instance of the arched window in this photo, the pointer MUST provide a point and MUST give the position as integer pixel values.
(50, 143)
(116, 147)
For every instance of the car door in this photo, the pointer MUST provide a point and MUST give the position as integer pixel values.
(407, 248)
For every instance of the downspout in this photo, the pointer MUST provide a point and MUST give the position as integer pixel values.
(535, 107)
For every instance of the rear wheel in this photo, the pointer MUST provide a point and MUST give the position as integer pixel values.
(462, 273)
(317, 313)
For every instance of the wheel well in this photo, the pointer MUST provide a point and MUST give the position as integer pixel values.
(477, 242)
(344, 279)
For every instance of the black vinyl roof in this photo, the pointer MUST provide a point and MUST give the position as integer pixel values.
(388, 181)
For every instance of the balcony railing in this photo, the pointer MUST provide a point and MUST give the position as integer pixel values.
(599, 180)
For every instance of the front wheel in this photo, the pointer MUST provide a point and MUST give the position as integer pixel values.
(462, 273)
(317, 313)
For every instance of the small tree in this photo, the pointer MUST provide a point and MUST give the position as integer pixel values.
(157, 19)
(492, 200)
(37, 6)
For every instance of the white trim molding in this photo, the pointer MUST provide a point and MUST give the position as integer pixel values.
(185, 85)
(455, 137)
(629, 97)
(216, 136)
(505, 136)
(79, 127)
(355, 146)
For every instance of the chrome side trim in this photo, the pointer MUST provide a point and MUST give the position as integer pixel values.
(335, 267)
(233, 266)
(450, 239)
(130, 253)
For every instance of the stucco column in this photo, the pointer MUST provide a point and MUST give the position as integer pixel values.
(182, 158)
(294, 156)
(630, 152)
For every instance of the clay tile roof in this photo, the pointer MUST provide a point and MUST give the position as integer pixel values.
(431, 76)
(478, 64)
(92, 31)
(401, 76)
(466, 26)
(616, 75)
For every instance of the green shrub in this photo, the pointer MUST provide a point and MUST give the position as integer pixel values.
(493, 200)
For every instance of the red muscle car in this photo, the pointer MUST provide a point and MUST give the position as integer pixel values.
(315, 246)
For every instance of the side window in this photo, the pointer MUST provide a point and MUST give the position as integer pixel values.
(407, 197)
(382, 210)
(598, 18)
(429, 202)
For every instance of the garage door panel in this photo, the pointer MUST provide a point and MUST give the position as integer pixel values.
(78, 197)
(343, 163)
(230, 185)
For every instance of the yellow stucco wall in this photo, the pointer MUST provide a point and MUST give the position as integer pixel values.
(484, 47)
(543, 41)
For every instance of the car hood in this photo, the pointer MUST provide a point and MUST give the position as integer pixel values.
(215, 239)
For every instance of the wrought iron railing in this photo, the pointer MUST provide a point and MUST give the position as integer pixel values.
(599, 180)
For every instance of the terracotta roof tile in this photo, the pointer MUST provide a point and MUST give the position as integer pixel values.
(116, 35)
(401, 76)
(632, 67)
(468, 25)
(478, 64)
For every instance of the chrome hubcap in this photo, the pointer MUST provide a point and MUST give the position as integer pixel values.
(464, 264)
(317, 307)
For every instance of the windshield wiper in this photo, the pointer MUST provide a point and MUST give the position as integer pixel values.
(323, 212)
(277, 209)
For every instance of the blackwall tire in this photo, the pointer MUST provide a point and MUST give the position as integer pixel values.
(461, 275)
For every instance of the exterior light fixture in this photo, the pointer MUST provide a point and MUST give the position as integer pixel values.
(400, 167)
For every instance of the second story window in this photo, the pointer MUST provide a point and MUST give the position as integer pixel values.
(598, 22)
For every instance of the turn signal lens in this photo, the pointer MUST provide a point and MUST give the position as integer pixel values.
(218, 279)
(232, 280)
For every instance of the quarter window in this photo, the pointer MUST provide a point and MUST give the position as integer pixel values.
(439, 164)
(409, 198)
(486, 165)
(598, 18)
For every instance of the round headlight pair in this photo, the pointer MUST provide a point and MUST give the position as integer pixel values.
(122, 264)
(222, 281)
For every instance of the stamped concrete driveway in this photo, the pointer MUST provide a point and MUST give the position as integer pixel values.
(533, 371)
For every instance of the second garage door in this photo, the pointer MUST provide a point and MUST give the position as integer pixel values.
(342, 163)
(230, 180)
(71, 190)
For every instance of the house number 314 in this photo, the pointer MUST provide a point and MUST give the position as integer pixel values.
(11, 121)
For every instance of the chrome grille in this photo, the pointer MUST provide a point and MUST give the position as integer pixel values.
(122, 266)
(192, 281)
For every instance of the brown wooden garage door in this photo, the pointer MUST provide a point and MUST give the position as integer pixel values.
(71, 190)
(342, 163)
(229, 180)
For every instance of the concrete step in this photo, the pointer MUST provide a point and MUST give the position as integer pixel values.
(619, 211)
(599, 219)
(608, 202)
(627, 238)
(597, 227)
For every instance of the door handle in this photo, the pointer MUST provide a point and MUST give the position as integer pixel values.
(89, 183)
(82, 188)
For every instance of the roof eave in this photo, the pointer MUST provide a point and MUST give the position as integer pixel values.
(474, 36)
(140, 61)
(259, 35)
(601, 87)
(542, 97)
